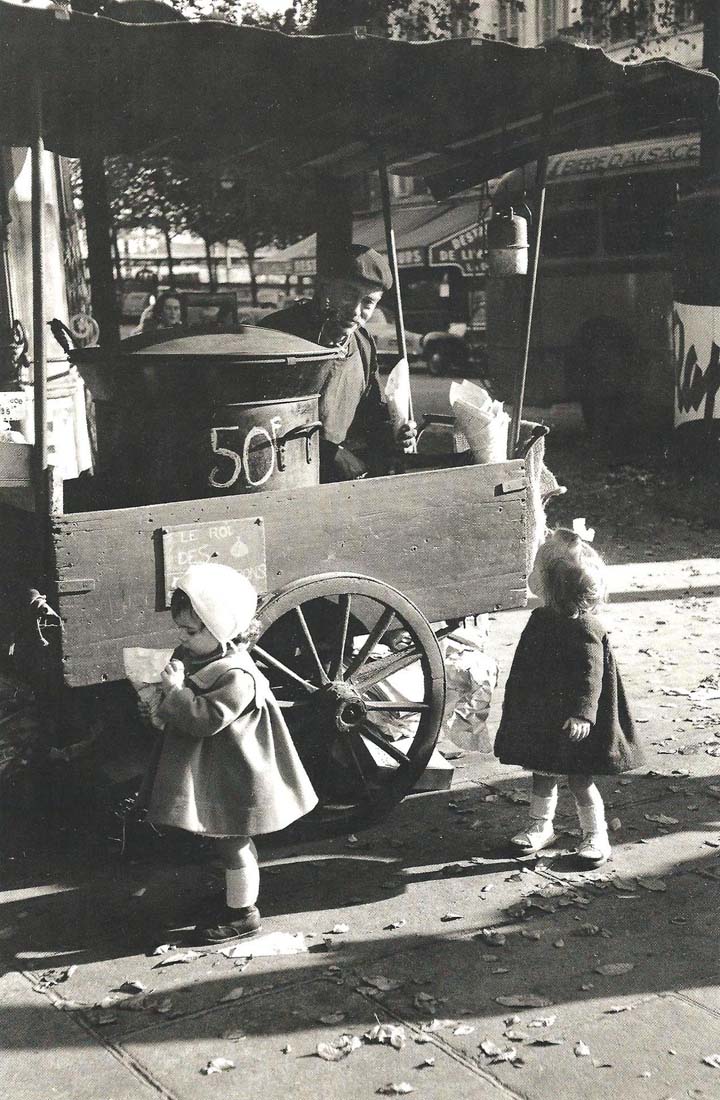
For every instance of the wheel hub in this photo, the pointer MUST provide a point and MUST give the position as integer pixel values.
(345, 704)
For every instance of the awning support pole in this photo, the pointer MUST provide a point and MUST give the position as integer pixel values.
(42, 502)
(540, 181)
(393, 261)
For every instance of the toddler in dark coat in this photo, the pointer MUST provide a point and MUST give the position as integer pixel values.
(565, 711)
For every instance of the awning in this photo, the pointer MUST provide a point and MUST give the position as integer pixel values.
(456, 112)
(664, 154)
(435, 235)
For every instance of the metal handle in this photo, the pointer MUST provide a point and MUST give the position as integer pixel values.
(301, 431)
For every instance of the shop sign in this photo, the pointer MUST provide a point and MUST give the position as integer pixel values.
(464, 250)
(636, 156)
(696, 351)
(412, 257)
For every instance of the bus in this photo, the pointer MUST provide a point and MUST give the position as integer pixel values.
(602, 328)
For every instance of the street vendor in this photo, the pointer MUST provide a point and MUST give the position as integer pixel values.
(357, 436)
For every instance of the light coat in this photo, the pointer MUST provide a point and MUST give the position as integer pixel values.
(226, 765)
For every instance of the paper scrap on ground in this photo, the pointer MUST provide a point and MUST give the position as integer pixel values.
(275, 943)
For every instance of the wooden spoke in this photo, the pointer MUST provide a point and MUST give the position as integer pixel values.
(311, 645)
(292, 704)
(379, 670)
(373, 638)
(396, 708)
(344, 608)
(359, 768)
(387, 746)
(280, 667)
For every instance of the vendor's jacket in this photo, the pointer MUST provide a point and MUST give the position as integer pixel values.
(352, 410)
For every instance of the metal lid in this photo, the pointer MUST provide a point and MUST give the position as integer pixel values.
(244, 344)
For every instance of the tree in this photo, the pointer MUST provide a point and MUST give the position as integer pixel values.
(153, 192)
(223, 206)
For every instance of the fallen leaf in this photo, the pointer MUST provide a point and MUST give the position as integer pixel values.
(165, 949)
(233, 994)
(391, 1034)
(332, 1018)
(529, 934)
(581, 1050)
(463, 1029)
(614, 1009)
(712, 1060)
(399, 1089)
(451, 916)
(523, 1000)
(233, 1035)
(614, 969)
(340, 1048)
(287, 1049)
(339, 930)
(427, 1063)
(547, 1041)
(656, 885)
(514, 1035)
(661, 819)
(131, 986)
(393, 925)
(182, 957)
(489, 1048)
(614, 824)
(385, 985)
(425, 1002)
(543, 1021)
(559, 943)
(217, 1065)
(438, 1025)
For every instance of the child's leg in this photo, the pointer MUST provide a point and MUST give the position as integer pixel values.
(242, 874)
(595, 846)
(542, 811)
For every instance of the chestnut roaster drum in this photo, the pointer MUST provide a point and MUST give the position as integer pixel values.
(182, 417)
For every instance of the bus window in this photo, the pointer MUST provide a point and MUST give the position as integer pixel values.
(570, 225)
(636, 215)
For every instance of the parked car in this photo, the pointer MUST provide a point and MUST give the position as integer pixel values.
(459, 349)
(381, 327)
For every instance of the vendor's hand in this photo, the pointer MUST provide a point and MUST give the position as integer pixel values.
(578, 728)
(348, 465)
(405, 437)
(173, 675)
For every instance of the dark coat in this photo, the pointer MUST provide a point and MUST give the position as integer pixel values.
(565, 668)
(370, 434)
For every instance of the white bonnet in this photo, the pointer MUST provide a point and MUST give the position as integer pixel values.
(223, 599)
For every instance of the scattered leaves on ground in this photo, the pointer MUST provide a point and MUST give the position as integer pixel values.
(339, 1048)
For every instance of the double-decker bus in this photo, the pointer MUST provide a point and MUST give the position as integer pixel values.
(602, 330)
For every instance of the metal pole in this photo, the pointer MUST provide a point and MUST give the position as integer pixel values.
(392, 258)
(540, 178)
(42, 502)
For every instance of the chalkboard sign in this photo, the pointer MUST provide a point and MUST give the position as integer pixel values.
(236, 542)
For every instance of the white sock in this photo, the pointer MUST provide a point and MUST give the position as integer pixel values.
(543, 809)
(242, 884)
(592, 817)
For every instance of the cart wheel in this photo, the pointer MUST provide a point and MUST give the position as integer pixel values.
(359, 675)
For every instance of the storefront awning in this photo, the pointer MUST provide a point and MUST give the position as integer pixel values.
(433, 235)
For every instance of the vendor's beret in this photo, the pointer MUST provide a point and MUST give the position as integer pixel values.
(359, 264)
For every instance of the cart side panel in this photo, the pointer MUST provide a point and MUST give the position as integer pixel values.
(453, 541)
(20, 567)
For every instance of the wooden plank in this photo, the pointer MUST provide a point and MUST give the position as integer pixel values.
(444, 538)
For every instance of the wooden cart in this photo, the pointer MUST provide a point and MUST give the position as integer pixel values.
(354, 574)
